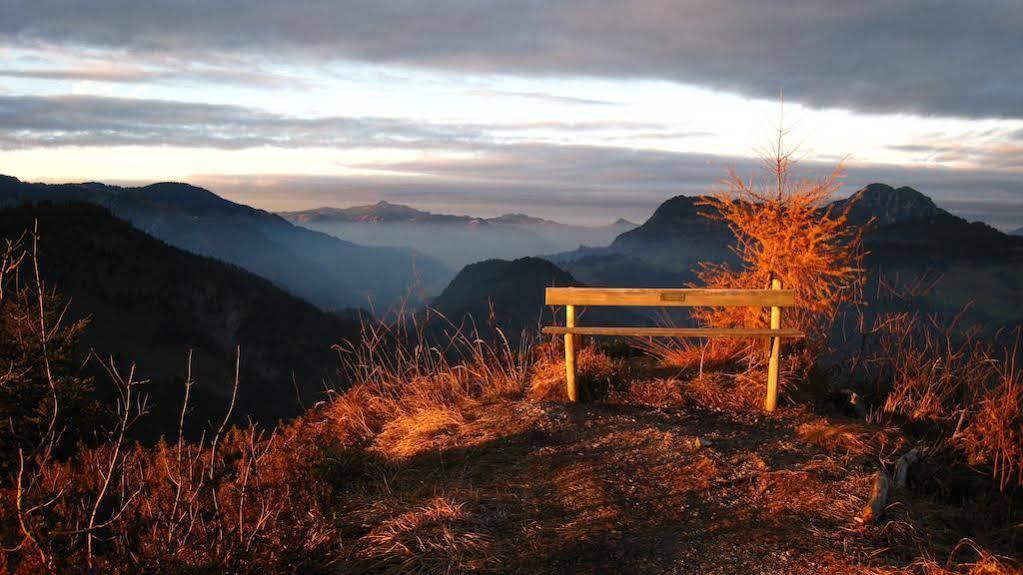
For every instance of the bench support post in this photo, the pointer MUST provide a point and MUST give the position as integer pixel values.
(573, 394)
(771, 401)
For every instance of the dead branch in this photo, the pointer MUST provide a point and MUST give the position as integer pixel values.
(878, 500)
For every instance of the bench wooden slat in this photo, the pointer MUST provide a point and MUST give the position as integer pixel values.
(670, 297)
(676, 331)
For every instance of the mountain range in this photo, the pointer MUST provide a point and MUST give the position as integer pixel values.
(907, 233)
(324, 270)
(907, 237)
(456, 240)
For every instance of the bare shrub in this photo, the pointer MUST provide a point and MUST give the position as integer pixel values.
(243, 500)
(42, 402)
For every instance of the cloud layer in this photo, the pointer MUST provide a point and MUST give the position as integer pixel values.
(476, 168)
(38, 121)
(928, 57)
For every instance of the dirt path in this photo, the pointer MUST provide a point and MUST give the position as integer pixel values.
(519, 487)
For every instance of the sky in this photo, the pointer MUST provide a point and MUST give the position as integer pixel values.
(582, 111)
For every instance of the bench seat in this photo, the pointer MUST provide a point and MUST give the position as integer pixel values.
(676, 331)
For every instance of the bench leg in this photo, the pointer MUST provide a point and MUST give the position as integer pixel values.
(771, 401)
(570, 340)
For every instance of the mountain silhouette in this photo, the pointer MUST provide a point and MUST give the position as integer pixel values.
(149, 303)
(510, 295)
(328, 272)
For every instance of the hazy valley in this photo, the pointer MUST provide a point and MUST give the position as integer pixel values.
(455, 240)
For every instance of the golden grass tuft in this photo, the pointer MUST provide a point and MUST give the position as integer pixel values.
(655, 392)
(850, 438)
(740, 392)
(983, 563)
(994, 434)
(698, 355)
(411, 433)
(597, 373)
(437, 537)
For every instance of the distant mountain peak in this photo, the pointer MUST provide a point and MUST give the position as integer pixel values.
(887, 205)
(382, 212)
(519, 219)
(676, 215)
(385, 212)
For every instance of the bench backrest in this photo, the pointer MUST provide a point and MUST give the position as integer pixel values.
(670, 297)
(774, 298)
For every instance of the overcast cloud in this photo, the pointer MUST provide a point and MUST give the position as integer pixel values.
(35, 121)
(503, 105)
(929, 57)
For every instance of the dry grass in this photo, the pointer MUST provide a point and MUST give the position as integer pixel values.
(408, 370)
(657, 392)
(929, 370)
(435, 537)
(410, 433)
(981, 563)
(699, 355)
(248, 500)
(924, 367)
(418, 472)
(992, 434)
(852, 438)
(597, 373)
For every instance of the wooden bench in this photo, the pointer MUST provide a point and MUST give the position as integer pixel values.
(774, 298)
